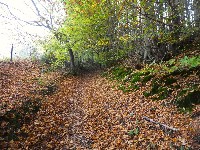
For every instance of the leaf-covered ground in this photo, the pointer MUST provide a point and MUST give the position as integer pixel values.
(89, 112)
(17, 80)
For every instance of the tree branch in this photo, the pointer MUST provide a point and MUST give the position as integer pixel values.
(161, 124)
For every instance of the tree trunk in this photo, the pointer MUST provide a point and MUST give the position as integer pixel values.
(175, 29)
(187, 13)
(11, 54)
(196, 4)
(72, 64)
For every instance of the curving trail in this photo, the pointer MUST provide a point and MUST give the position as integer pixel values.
(87, 112)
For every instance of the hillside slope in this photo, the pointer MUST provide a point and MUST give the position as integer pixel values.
(87, 112)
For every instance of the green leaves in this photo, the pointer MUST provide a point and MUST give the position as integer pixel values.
(190, 62)
(134, 132)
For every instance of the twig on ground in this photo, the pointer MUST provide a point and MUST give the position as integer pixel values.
(161, 124)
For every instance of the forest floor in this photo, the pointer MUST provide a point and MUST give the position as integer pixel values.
(86, 112)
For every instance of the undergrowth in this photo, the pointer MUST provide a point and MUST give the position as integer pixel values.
(178, 77)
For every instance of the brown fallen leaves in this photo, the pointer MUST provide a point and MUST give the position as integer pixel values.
(17, 80)
(88, 113)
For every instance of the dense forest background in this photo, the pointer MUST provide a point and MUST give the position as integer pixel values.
(103, 32)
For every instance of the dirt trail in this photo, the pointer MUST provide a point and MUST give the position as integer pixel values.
(87, 112)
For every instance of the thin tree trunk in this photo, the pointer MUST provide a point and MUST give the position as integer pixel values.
(196, 4)
(72, 64)
(11, 54)
(173, 4)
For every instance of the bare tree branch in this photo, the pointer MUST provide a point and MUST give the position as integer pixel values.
(161, 124)
(46, 19)
(36, 8)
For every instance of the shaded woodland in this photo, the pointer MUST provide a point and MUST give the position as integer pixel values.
(116, 74)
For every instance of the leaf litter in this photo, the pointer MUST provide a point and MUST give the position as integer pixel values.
(89, 112)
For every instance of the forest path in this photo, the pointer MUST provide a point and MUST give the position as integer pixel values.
(88, 112)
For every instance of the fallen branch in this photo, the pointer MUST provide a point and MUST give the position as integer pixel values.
(161, 124)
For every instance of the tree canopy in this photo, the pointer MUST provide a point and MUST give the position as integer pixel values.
(107, 30)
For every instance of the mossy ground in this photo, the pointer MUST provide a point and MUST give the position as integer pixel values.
(178, 77)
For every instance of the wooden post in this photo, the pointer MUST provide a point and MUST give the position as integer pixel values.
(11, 54)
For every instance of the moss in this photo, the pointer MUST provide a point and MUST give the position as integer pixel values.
(147, 93)
(184, 72)
(162, 84)
(169, 81)
(155, 87)
(177, 86)
(163, 93)
(104, 74)
(158, 89)
(123, 88)
(120, 72)
(135, 87)
(135, 79)
(181, 93)
(147, 78)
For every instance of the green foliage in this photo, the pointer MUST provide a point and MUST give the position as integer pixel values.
(158, 90)
(120, 73)
(147, 78)
(41, 81)
(187, 98)
(55, 55)
(134, 132)
(124, 88)
(163, 79)
(190, 62)
(171, 62)
(169, 81)
(106, 31)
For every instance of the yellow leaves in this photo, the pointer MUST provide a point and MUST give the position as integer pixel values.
(103, 42)
(118, 142)
(124, 38)
(94, 5)
(174, 140)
